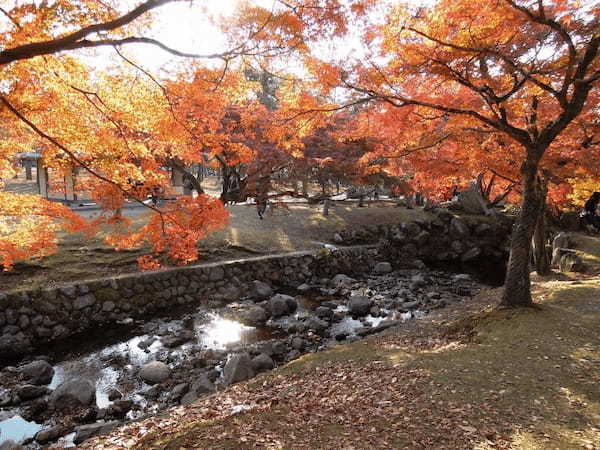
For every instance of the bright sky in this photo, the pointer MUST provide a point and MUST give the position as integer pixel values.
(187, 28)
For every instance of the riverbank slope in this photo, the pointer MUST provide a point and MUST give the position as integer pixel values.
(467, 376)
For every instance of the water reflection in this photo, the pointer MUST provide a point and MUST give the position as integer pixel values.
(17, 429)
(220, 332)
(107, 380)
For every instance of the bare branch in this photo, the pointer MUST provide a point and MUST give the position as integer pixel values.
(558, 28)
(410, 150)
(506, 59)
(14, 22)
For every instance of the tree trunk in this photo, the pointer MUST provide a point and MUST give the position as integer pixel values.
(540, 252)
(517, 286)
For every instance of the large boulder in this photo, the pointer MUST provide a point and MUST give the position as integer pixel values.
(238, 368)
(84, 432)
(50, 434)
(317, 325)
(203, 385)
(154, 372)
(281, 305)
(254, 316)
(37, 372)
(179, 391)
(261, 290)
(472, 202)
(73, 393)
(14, 345)
(120, 408)
(298, 343)
(359, 305)
(262, 363)
(188, 398)
(324, 312)
(383, 267)
(31, 391)
(342, 281)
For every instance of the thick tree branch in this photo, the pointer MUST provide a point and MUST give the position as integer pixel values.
(77, 38)
(580, 94)
(506, 59)
(557, 27)
(399, 101)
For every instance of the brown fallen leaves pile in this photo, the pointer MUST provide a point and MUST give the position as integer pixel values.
(418, 387)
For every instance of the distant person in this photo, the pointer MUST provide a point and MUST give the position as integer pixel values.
(590, 211)
(155, 195)
(262, 195)
(261, 206)
(455, 195)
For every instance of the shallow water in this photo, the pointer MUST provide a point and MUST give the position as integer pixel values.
(220, 333)
(115, 365)
(17, 429)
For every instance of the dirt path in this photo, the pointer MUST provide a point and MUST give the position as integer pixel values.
(464, 377)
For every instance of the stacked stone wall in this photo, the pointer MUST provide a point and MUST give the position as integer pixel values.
(31, 318)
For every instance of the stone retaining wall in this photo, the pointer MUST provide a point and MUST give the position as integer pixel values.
(30, 318)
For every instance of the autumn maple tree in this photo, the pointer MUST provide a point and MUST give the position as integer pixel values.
(121, 127)
(505, 85)
(522, 69)
(440, 95)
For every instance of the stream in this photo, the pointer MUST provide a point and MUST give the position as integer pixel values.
(197, 351)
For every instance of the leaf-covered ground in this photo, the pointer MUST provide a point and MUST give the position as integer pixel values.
(464, 377)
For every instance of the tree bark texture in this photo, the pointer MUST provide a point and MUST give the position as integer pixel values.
(517, 286)
(541, 257)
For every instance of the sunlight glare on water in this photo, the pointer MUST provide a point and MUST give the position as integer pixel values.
(220, 332)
